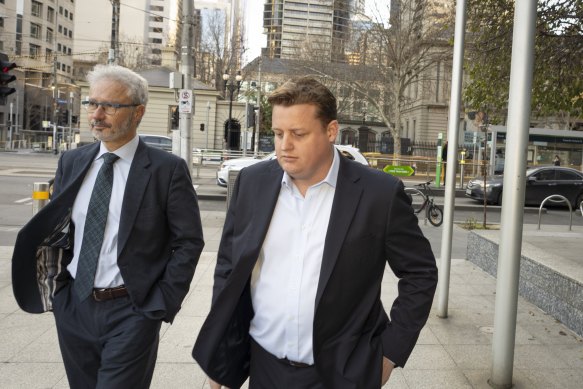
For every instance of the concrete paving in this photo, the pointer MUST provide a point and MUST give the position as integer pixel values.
(451, 353)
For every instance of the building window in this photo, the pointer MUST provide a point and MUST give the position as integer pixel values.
(156, 8)
(70, 34)
(69, 51)
(35, 31)
(58, 47)
(156, 19)
(60, 10)
(156, 29)
(34, 50)
(155, 40)
(49, 35)
(48, 55)
(36, 9)
(65, 30)
(66, 13)
(71, 15)
(50, 14)
(60, 29)
(63, 67)
(1, 22)
(68, 69)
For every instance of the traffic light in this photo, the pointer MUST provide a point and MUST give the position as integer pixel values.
(6, 78)
(250, 115)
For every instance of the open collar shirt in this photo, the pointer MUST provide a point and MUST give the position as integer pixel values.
(285, 278)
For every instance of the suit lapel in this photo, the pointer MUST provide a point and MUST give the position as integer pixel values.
(138, 179)
(346, 199)
(263, 194)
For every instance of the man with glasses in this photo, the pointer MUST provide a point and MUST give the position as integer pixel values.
(114, 252)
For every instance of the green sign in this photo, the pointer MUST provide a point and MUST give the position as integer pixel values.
(399, 171)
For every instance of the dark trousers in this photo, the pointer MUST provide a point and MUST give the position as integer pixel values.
(105, 344)
(268, 372)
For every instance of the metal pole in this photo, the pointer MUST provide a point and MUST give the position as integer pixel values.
(513, 201)
(245, 128)
(230, 88)
(71, 97)
(208, 110)
(113, 48)
(258, 119)
(10, 133)
(186, 69)
(450, 173)
(40, 196)
(493, 153)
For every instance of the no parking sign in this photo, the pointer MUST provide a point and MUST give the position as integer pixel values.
(185, 100)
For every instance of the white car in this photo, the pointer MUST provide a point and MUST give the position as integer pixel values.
(240, 163)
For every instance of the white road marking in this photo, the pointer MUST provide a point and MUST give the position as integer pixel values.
(23, 200)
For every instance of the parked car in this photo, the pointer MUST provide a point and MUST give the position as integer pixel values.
(157, 141)
(240, 163)
(541, 182)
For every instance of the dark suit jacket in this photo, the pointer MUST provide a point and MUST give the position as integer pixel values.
(371, 223)
(159, 238)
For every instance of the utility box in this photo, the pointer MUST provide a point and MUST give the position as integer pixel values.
(175, 80)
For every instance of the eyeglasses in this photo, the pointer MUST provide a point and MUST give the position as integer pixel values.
(109, 108)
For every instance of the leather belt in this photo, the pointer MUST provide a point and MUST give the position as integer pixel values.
(109, 293)
(294, 363)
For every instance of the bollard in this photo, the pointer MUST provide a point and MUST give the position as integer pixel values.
(40, 196)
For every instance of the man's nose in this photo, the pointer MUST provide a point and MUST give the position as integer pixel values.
(286, 142)
(99, 112)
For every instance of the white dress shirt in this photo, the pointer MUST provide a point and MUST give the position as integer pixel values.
(285, 278)
(108, 274)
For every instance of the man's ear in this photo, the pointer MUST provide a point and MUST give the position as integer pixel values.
(332, 130)
(139, 113)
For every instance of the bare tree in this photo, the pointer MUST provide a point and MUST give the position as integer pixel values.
(391, 58)
(217, 53)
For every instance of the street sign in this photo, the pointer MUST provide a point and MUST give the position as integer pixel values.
(399, 171)
(185, 100)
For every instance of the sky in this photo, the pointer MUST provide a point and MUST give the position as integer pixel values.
(256, 39)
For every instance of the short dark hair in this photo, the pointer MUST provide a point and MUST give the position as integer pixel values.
(306, 90)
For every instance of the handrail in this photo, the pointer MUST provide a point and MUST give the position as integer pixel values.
(563, 199)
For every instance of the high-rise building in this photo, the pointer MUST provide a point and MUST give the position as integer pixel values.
(38, 36)
(305, 28)
(149, 32)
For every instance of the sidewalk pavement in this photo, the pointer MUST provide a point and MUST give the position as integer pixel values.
(451, 353)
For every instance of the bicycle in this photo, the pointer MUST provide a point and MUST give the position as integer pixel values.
(433, 212)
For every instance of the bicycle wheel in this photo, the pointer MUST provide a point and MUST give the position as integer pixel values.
(417, 199)
(435, 215)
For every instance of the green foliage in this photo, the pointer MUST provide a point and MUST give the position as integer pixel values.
(557, 81)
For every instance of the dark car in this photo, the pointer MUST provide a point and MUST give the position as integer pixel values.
(157, 141)
(541, 182)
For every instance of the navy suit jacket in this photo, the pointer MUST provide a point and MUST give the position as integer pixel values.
(159, 238)
(371, 224)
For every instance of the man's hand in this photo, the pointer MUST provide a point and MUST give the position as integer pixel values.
(387, 369)
(215, 385)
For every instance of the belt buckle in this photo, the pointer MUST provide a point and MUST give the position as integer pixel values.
(95, 292)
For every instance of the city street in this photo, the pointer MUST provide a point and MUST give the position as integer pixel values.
(19, 171)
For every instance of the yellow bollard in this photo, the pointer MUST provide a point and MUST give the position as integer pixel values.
(40, 196)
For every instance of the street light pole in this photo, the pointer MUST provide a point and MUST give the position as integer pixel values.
(208, 110)
(231, 87)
